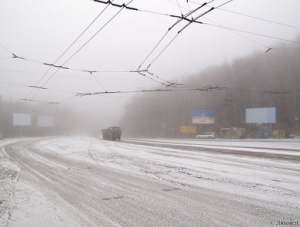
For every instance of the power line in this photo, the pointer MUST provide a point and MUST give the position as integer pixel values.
(244, 31)
(264, 92)
(246, 66)
(72, 44)
(183, 17)
(208, 88)
(87, 41)
(252, 33)
(254, 17)
(36, 87)
(58, 68)
(6, 49)
(99, 82)
(247, 31)
(179, 7)
(91, 72)
(241, 35)
(149, 75)
(165, 83)
(190, 22)
(169, 29)
(163, 50)
(205, 89)
(262, 19)
(80, 77)
(81, 34)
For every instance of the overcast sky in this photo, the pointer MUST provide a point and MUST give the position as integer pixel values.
(41, 31)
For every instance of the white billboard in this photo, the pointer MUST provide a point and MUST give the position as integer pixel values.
(21, 119)
(261, 115)
(45, 121)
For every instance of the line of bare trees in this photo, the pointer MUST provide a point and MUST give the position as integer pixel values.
(260, 79)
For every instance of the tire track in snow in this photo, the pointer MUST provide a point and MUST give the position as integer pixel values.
(87, 193)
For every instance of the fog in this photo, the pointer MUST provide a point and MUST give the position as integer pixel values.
(96, 51)
(257, 80)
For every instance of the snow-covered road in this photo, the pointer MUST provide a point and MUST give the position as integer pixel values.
(85, 181)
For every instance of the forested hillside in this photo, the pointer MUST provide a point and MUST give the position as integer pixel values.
(269, 78)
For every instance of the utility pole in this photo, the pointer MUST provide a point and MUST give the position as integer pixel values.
(64, 119)
(1, 118)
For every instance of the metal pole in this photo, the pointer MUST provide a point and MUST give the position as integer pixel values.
(1, 118)
(64, 119)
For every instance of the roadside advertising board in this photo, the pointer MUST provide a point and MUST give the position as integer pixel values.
(203, 117)
(188, 129)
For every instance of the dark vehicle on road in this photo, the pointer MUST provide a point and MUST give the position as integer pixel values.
(112, 133)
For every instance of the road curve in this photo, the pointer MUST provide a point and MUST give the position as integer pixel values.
(94, 194)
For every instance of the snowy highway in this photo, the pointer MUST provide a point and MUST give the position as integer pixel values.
(87, 181)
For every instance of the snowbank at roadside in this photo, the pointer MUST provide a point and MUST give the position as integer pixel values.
(21, 204)
(31, 208)
(8, 176)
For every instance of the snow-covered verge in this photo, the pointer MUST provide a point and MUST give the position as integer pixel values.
(21, 204)
(9, 173)
(30, 208)
(8, 176)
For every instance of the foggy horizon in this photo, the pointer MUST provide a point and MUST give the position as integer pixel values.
(111, 45)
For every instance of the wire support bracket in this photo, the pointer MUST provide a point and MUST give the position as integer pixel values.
(116, 5)
(56, 66)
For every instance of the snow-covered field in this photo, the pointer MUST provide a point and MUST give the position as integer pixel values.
(268, 186)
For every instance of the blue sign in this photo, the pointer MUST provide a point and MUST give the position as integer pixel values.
(203, 113)
(203, 117)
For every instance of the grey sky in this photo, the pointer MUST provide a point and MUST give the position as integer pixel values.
(42, 30)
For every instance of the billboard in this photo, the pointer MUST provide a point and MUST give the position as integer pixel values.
(188, 129)
(21, 119)
(45, 121)
(203, 116)
(261, 115)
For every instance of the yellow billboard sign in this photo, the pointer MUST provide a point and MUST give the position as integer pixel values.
(188, 129)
